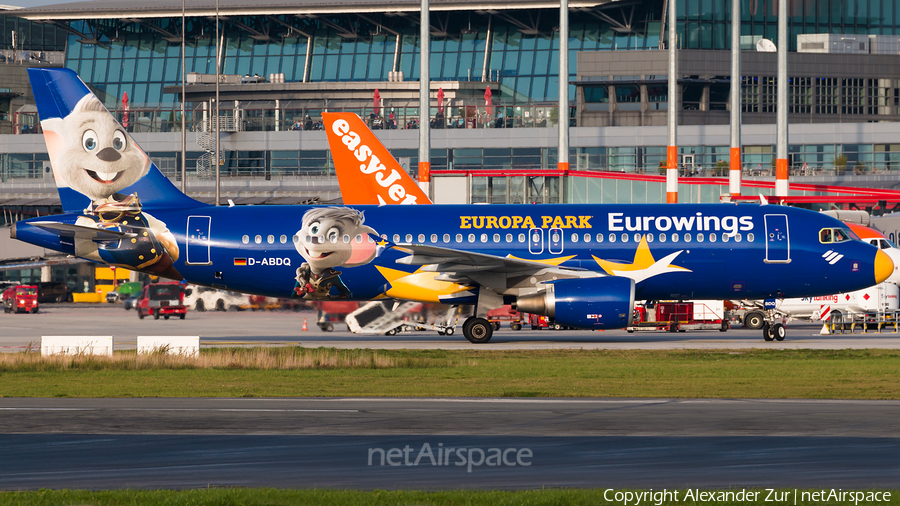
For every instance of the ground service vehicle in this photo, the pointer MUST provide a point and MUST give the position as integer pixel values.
(52, 291)
(681, 316)
(506, 314)
(584, 265)
(878, 298)
(162, 299)
(21, 299)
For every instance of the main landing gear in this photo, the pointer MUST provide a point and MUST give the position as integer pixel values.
(478, 330)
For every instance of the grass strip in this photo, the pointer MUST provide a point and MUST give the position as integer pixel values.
(298, 372)
(274, 497)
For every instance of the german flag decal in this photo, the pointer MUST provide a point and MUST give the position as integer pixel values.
(240, 261)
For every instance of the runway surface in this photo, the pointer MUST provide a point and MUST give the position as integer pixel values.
(118, 443)
(284, 328)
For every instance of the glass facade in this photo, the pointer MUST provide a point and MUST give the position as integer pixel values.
(30, 35)
(705, 24)
(520, 51)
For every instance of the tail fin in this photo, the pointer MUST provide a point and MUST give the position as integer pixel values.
(92, 156)
(366, 171)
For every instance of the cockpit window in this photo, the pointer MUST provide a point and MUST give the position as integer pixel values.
(830, 235)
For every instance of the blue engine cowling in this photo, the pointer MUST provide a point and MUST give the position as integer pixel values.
(588, 303)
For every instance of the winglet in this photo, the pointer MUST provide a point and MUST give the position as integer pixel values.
(366, 171)
(92, 155)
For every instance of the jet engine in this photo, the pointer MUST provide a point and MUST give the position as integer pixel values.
(588, 303)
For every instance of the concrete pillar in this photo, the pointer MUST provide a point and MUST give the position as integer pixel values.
(563, 146)
(45, 274)
(425, 100)
(782, 186)
(734, 172)
(672, 147)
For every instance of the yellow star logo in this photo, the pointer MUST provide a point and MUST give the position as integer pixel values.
(420, 286)
(644, 266)
(549, 261)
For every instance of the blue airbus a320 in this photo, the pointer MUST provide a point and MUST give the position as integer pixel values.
(584, 265)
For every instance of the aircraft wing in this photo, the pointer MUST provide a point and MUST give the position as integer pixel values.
(491, 271)
(82, 232)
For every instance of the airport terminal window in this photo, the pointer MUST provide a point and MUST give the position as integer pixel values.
(245, 239)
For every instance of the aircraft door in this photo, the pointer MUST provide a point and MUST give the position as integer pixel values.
(536, 241)
(778, 246)
(555, 239)
(198, 240)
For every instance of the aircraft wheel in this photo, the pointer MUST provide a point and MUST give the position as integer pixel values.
(450, 331)
(754, 320)
(478, 330)
(557, 326)
(767, 335)
(156, 314)
(140, 314)
(778, 332)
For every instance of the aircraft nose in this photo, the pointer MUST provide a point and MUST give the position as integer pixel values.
(884, 266)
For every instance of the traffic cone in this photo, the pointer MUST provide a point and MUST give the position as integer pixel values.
(825, 330)
(305, 328)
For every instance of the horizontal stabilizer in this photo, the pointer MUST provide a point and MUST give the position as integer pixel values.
(82, 232)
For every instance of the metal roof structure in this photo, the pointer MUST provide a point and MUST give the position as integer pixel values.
(117, 9)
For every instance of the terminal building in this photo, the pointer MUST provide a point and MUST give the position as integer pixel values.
(284, 62)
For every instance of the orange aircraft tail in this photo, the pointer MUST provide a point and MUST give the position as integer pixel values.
(366, 171)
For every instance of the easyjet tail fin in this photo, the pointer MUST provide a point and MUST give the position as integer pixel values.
(366, 171)
(95, 161)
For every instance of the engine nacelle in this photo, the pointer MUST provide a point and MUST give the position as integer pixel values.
(588, 303)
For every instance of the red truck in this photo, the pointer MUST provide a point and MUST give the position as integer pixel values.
(164, 299)
(21, 299)
(506, 314)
